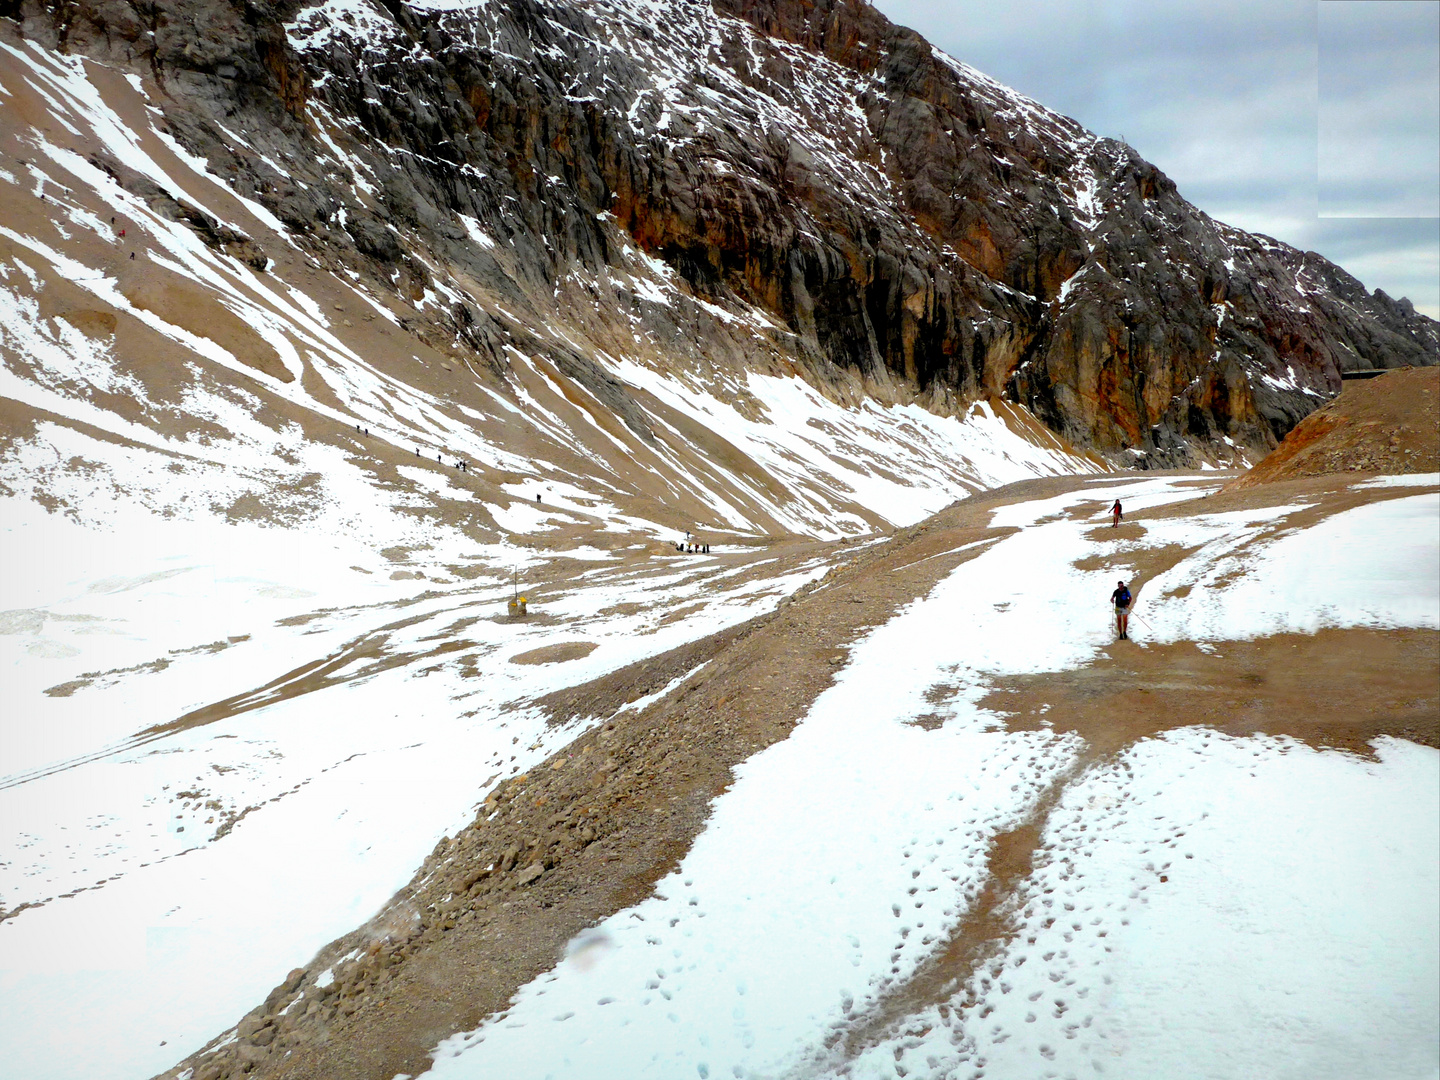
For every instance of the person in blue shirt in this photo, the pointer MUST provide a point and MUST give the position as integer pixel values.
(1121, 599)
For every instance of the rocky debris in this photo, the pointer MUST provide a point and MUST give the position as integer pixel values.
(1389, 424)
(853, 204)
(268, 1029)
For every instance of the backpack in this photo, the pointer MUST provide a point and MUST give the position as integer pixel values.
(1122, 598)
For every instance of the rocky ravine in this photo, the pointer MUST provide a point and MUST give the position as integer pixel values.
(691, 171)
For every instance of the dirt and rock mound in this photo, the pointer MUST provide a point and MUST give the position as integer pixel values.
(1389, 424)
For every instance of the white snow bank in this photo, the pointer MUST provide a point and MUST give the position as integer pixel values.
(1375, 565)
(1402, 480)
(1216, 907)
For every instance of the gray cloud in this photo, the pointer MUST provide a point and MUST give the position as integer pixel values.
(1225, 97)
(1379, 119)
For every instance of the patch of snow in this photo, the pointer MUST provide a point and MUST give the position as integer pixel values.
(1374, 565)
(1402, 480)
(1173, 928)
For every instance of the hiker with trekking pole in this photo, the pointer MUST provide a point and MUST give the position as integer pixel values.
(1121, 598)
(1124, 601)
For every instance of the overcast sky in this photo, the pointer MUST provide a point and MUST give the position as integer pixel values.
(1313, 121)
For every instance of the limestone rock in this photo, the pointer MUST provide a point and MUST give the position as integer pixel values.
(911, 222)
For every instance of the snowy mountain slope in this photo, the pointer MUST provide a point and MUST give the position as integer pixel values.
(189, 335)
(724, 191)
(904, 216)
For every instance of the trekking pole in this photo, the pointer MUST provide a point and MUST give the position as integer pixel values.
(1142, 622)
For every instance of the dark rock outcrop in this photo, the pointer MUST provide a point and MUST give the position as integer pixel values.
(902, 217)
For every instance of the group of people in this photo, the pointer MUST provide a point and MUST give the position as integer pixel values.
(692, 546)
(460, 463)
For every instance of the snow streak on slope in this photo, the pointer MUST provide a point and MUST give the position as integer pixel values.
(841, 856)
(903, 461)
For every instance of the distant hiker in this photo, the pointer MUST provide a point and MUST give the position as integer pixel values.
(1115, 513)
(1121, 599)
(132, 254)
(707, 549)
(122, 232)
(537, 496)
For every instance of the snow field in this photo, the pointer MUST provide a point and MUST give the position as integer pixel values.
(840, 857)
(1215, 907)
(860, 831)
(332, 796)
(1375, 565)
(828, 871)
(197, 601)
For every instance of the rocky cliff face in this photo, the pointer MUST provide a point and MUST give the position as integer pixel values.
(752, 183)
